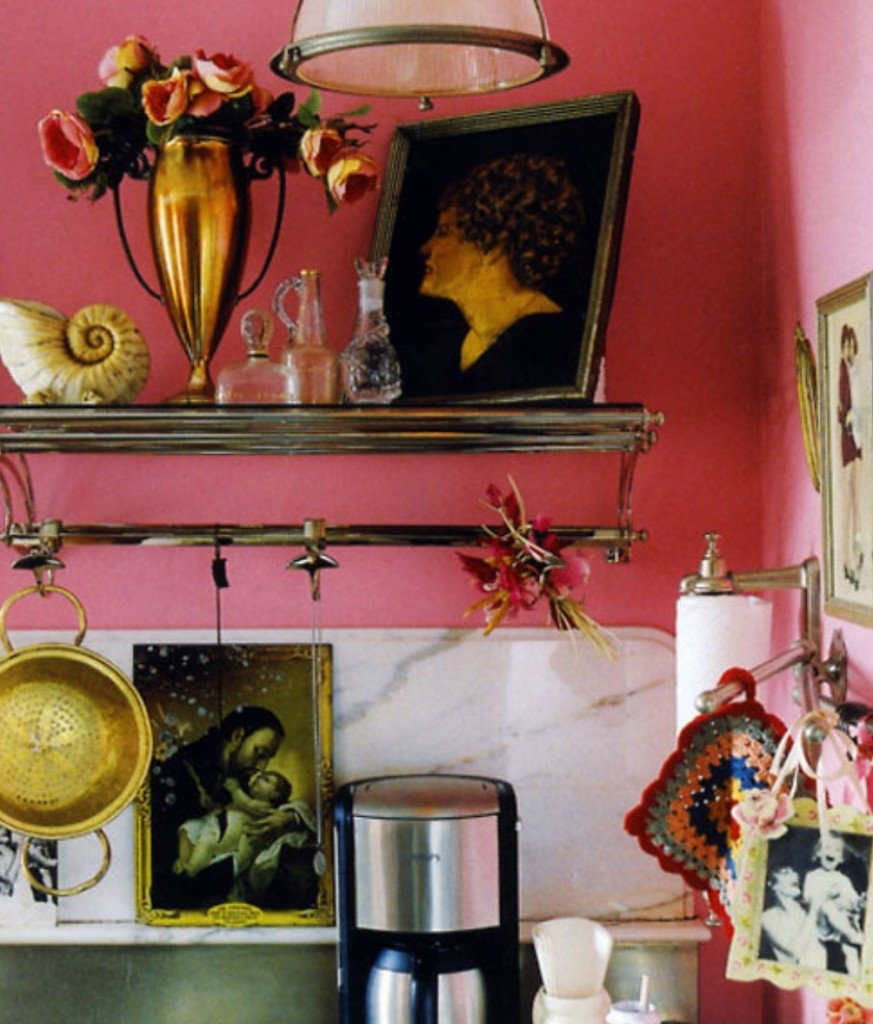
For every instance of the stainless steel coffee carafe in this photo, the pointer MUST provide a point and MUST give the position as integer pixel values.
(428, 901)
(402, 988)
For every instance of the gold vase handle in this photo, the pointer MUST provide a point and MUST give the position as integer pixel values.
(125, 244)
(277, 224)
(48, 588)
(72, 890)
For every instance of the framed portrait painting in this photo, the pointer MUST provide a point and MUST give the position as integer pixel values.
(801, 908)
(233, 824)
(846, 424)
(502, 234)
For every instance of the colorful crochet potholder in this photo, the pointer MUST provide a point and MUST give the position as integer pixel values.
(684, 816)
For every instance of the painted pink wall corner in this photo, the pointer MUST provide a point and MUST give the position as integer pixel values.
(749, 200)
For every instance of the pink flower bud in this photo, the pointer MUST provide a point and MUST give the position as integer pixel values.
(319, 147)
(165, 100)
(351, 176)
(68, 145)
(223, 73)
(121, 64)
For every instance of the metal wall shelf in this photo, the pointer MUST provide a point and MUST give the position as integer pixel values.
(318, 430)
(624, 430)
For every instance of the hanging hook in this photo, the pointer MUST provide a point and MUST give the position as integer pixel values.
(42, 559)
(314, 540)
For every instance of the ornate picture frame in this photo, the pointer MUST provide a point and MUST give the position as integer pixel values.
(233, 826)
(845, 354)
(801, 905)
(543, 190)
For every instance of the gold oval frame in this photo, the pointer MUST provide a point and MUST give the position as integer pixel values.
(807, 398)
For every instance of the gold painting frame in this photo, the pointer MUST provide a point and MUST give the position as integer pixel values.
(846, 424)
(220, 840)
(757, 952)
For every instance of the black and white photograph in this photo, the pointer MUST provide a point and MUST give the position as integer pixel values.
(24, 900)
(815, 900)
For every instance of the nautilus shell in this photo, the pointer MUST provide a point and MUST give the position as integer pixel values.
(95, 357)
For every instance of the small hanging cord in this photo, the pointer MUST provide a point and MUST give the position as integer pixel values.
(220, 581)
(790, 759)
(313, 561)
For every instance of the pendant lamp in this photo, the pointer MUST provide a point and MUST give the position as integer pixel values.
(423, 48)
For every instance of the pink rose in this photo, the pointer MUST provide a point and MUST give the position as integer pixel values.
(351, 176)
(121, 64)
(165, 100)
(223, 73)
(319, 147)
(68, 145)
(762, 812)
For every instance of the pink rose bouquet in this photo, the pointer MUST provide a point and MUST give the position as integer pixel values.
(143, 102)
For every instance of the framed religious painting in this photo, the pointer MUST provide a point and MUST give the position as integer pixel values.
(502, 233)
(233, 826)
(846, 425)
(801, 907)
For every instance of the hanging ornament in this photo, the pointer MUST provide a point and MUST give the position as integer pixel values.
(684, 816)
(803, 889)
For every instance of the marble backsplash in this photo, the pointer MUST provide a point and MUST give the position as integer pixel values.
(577, 735)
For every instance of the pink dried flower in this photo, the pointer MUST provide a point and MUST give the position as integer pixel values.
(763, 813)
(525, 564)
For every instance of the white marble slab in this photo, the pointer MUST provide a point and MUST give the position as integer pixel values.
(578, 736)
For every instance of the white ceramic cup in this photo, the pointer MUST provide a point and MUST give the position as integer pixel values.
(555, 1010)
(633, 1012)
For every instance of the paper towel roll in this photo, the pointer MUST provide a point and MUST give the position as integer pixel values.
(715, 632)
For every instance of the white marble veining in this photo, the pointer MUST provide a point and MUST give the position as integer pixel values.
(578, 736)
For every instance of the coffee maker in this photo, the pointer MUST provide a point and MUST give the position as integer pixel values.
(427, 884)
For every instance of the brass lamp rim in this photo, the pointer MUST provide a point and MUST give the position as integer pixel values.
(547, 58)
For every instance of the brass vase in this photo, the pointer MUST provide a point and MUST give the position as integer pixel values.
(199, 217)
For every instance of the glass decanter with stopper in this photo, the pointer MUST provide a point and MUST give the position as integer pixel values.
(308, 357)
(257, 381)
(369, 368)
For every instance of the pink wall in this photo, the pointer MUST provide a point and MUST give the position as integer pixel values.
(701, 328)
(817, 235)
(685, 301)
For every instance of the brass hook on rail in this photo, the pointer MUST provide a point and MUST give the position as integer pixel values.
(314, 560)
(42, 559)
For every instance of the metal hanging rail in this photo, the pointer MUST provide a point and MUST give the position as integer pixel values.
(625, 430)
(51, 534)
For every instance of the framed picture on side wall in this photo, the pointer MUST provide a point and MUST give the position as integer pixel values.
(233, 826)
(502, 232)
(846, 424)
(801, 904)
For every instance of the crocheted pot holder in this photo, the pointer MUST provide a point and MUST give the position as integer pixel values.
(684, 816)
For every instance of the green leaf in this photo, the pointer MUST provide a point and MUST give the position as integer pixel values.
(107, 106)
(311, 108)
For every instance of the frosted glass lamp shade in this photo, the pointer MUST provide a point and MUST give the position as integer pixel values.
(421, 48)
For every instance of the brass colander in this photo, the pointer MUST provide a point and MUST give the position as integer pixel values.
(75, 739)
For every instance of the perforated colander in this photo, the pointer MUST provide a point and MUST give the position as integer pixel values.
(75, 739)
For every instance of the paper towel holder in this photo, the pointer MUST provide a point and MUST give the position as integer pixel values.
(813, 672)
